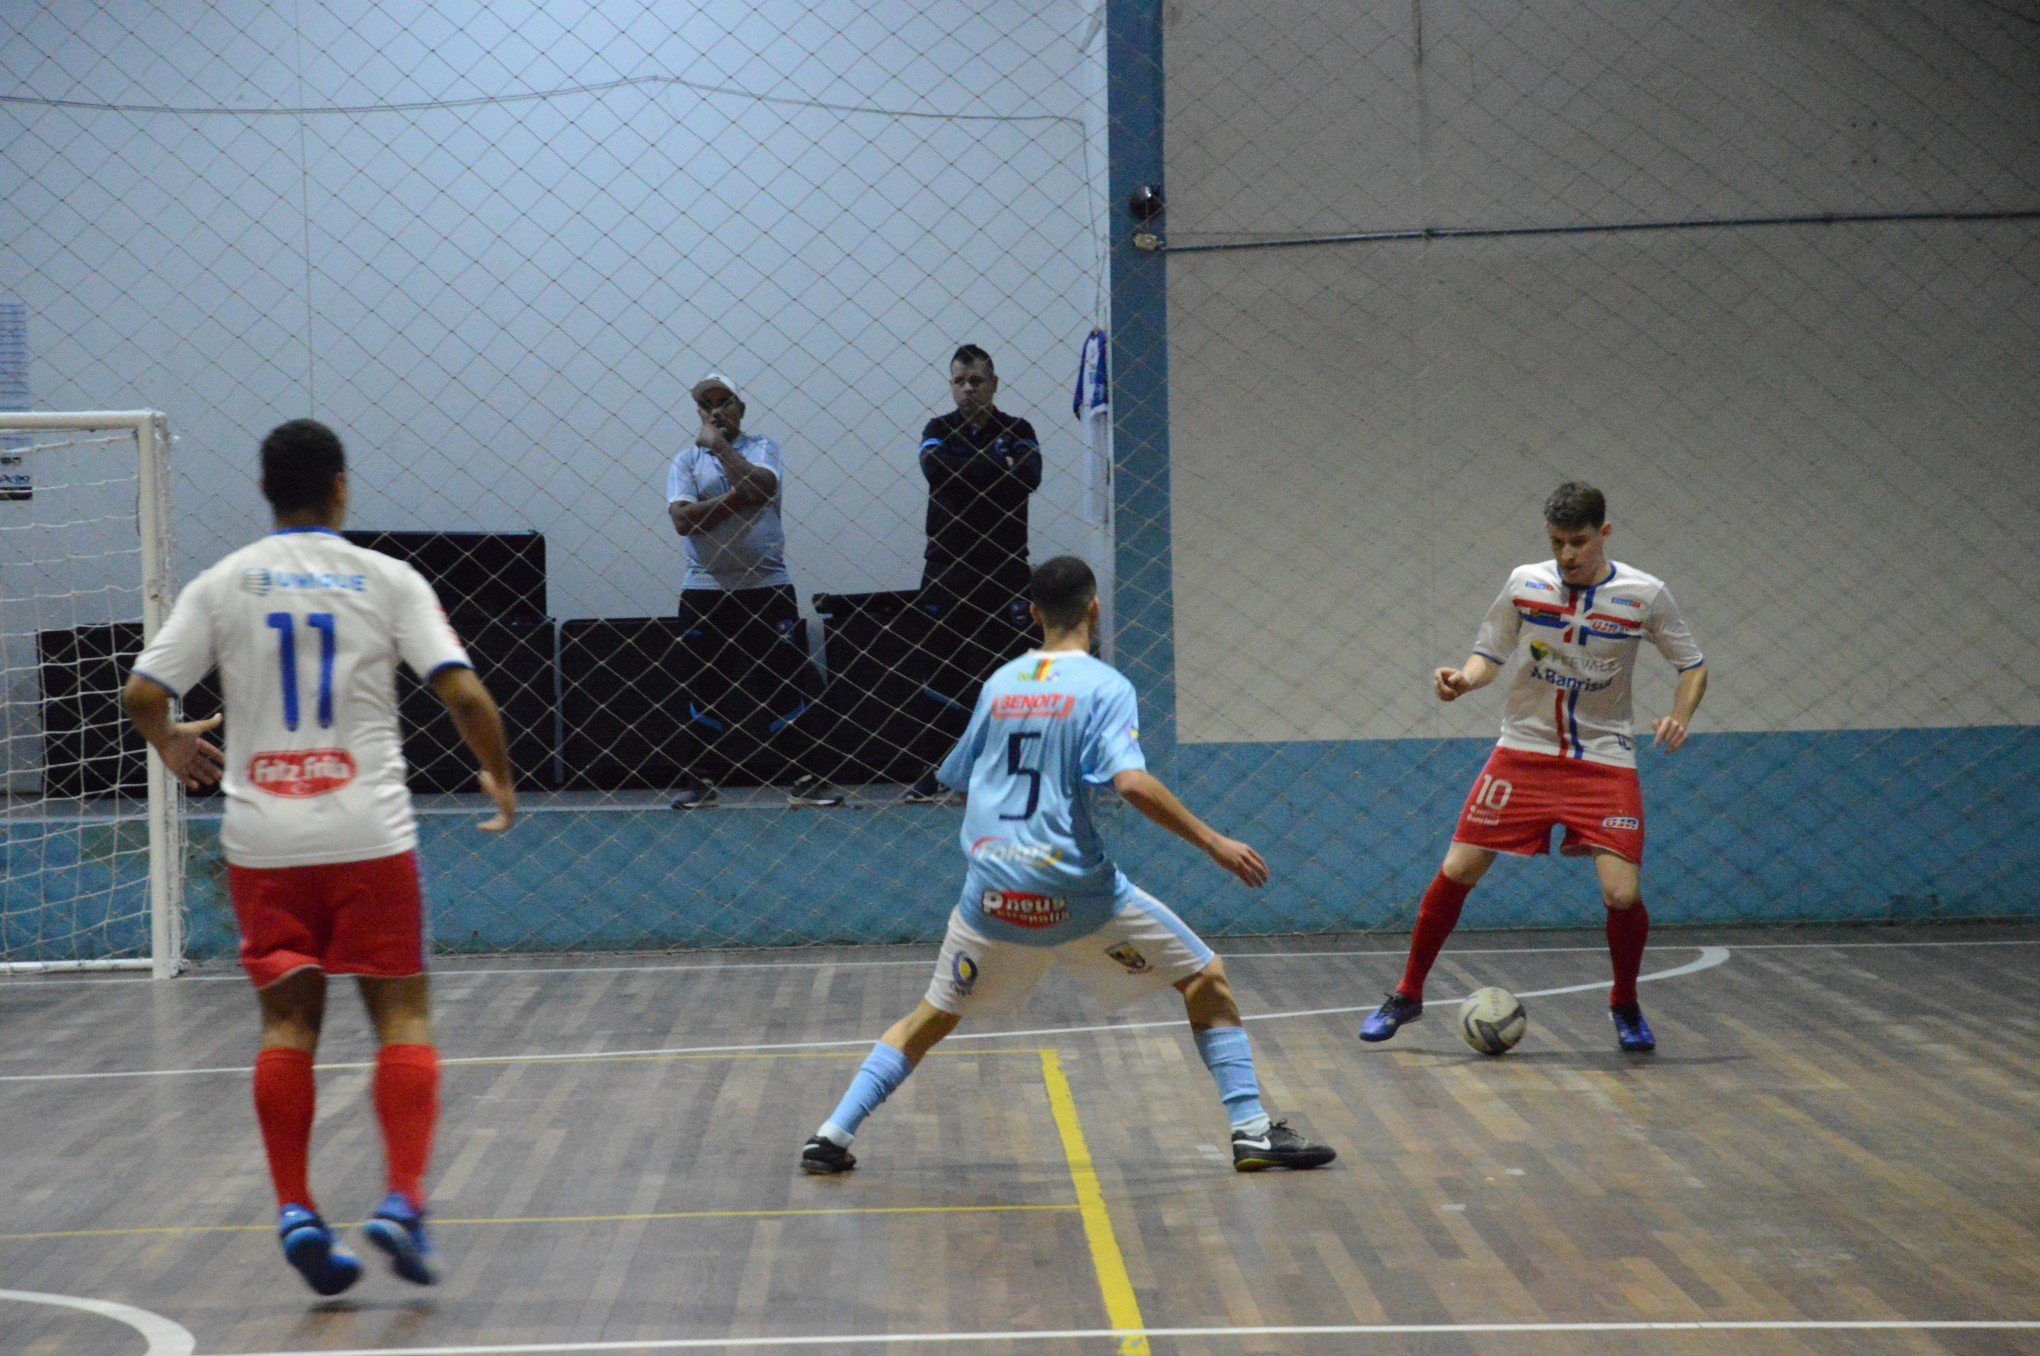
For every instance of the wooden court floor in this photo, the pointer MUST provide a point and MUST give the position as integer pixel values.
(1833, 1151)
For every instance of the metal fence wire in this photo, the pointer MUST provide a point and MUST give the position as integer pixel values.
(1768, 277)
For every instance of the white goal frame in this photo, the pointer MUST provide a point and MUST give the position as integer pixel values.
(151, 431)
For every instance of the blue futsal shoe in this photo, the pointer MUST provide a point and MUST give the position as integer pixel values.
(1387, 1019)
(398, 1228)
(308, 1245)
(1631, 1031)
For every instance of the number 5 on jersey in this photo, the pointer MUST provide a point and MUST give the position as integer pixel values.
(286, 652)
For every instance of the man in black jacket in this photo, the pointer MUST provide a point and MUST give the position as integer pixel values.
(981, 464)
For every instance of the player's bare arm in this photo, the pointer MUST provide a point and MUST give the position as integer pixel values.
(1476, 673)
(1670, 732)
(481, 729)
(1146, 793)
(182, 744)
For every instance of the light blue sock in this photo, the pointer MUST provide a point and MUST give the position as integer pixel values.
(1231, 1061)
(884, 1069)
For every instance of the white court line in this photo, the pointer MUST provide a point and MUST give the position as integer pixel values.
(1299, 1330)
(164, 1337)
(1710, 956)
(26, 983)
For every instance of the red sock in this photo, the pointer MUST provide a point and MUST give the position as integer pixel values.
(1627, 930)
(285, 1097)
(1436, 917)
(407, 1106)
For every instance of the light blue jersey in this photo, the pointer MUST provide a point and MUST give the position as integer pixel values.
(1048, 727)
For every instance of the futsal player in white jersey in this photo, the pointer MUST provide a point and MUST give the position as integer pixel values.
(1566, 756)
(306, 630)
(1040, 888)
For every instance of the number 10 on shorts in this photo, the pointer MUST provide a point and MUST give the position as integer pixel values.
(1492, 792)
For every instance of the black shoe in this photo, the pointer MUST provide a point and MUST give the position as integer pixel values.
(813, 793)
(824, 1157)
(695, 795)
(929, 790)
(1385, 1019)
(1277, 1147)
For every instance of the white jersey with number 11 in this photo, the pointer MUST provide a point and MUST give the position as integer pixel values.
(306, 629)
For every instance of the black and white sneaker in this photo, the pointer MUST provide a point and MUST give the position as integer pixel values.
(825, 1157)
(812, 793)
(930, 791)
(695, 794)
(1277, 1147)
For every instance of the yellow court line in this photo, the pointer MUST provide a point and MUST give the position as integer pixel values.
(580, 1219)
(1122, 1308)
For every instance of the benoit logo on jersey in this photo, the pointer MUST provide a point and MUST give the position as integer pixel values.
(1026, 705)
(301, 772)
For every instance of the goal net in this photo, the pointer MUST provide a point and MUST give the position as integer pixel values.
(92, 829)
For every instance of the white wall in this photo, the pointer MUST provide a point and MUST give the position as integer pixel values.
(501, 300)
(1824, 437)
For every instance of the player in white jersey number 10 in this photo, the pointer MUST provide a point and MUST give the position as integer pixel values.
(306, 630)
(1566, 758)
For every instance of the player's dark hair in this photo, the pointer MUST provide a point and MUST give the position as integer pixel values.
(1062, 589)
(300, 462)
(1575, 505)
(970, 355)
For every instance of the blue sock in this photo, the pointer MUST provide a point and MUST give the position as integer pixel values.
(1231, 1061)
(884, 1070)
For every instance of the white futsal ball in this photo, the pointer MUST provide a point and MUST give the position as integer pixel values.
(1492, 1021)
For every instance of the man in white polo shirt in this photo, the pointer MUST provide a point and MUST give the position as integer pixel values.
(747, 667)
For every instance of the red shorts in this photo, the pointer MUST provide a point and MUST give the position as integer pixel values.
(346, 918)
(1520, 797)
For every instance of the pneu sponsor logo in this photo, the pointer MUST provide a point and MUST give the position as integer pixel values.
(1539, 585)
(1024, 909)
(301, 772)
(1630, 822)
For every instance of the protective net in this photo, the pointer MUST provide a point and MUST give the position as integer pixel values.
(77, 827)
(1770, 280)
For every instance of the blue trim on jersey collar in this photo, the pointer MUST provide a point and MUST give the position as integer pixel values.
(295, 531)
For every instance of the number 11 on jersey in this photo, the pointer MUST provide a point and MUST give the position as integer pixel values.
(286, 648)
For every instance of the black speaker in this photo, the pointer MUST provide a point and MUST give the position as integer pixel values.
(876, 645)
(91, 749)
(515, 661)
(89, 746)
(621, 702)
(480, 577)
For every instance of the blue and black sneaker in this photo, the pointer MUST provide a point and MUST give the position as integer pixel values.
(398, 1228)
(1631, 1031)
(1389, 1017)
(308, 1245)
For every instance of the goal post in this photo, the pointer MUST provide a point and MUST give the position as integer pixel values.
(93, 834)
